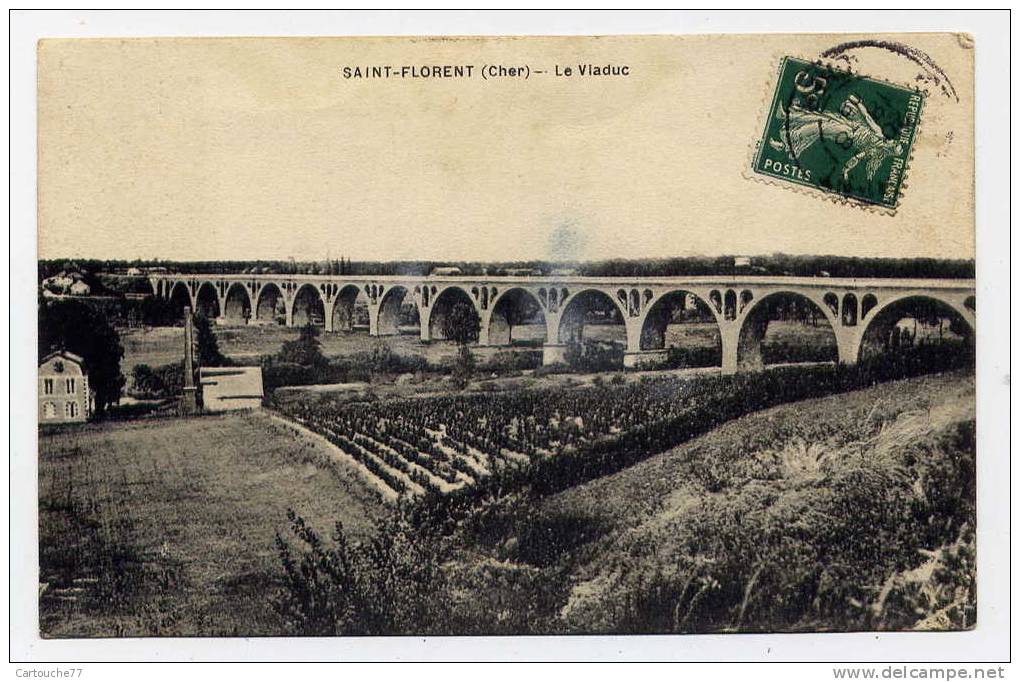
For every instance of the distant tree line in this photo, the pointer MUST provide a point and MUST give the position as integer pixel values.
(781, 264)
(777, 264)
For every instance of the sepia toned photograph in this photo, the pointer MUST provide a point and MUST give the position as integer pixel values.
(619, 335)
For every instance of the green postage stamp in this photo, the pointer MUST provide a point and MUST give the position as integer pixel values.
(838, 132)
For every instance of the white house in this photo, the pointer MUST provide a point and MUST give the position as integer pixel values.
(64, 394)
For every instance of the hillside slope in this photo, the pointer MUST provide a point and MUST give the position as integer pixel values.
(853, 511)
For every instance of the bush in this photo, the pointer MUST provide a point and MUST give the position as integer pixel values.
(165, 381)
(276, 374)
(774, 352)
(305, 350)
(158, 312)
(594, 356)
(509, 361)
(391, 585)
(678, 357)
(383, 360)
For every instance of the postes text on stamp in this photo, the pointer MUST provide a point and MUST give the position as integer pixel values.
(839, 133)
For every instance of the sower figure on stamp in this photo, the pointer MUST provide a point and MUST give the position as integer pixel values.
(852, 129)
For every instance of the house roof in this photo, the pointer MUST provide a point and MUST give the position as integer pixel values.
(64, 354)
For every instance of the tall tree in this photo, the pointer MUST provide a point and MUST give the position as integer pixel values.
(519, 312)
(84, 330)
(461, 324)
(207, 346)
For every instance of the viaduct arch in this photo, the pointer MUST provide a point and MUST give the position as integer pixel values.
(876, 328)
(307, 306)
(687, 306)
(442, 302)
(237, 306)
(754, 322)
(512, 308)
(343, 311)
(388, 315)
(270, 304)
(207, 302)
(587, 306)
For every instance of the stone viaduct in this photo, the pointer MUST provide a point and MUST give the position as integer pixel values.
(856, 309)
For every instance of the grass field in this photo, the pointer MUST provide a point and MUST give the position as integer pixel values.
(166, 527)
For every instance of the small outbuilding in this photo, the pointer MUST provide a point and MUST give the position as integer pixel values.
(446, 271)
(231, 388)
(79, 288)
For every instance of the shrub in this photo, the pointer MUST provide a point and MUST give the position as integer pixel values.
(383, 360)
(305, 350)
(509, 361)
(276, 374)
(164, 381)
(391, 585)
(678, 357)
(594, 356)
(773, 352)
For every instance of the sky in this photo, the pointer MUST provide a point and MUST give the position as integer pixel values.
(205, 149)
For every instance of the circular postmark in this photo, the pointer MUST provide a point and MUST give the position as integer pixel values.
(928, 76)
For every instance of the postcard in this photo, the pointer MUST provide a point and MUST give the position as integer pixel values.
(611, 335)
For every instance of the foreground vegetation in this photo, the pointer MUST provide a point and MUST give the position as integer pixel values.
(845, 512)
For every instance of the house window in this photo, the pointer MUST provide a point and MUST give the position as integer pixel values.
(49, 410)
(70, 385)
(48, 388)
(70, 409)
